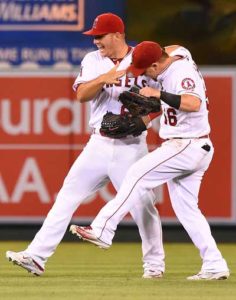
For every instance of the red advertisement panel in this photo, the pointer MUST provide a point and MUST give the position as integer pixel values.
(43, 129)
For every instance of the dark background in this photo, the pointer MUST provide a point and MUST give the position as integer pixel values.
(206, 27)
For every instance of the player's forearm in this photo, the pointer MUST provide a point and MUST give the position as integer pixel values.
(189, 103)
(185, 102)
(87, 91)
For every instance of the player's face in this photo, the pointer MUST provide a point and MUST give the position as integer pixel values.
(153, 71)
(106, 44)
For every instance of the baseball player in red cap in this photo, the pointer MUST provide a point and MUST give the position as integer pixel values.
(181, 161)
(102, 78)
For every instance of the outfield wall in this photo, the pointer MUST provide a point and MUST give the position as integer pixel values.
(43, 129)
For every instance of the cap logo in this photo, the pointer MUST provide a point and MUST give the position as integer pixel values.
(95, 23)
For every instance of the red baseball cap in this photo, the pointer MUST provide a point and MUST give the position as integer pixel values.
(106, 23)
(143, 56)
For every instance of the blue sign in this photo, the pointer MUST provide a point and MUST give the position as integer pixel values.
(49, 32)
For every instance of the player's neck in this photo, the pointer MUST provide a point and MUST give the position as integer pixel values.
(120, 52)
(166, 63)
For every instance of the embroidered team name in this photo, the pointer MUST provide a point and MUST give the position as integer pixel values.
(128, 82)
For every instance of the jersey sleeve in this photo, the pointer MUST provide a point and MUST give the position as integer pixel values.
(186, 80)
(183, 52)
(87, 70)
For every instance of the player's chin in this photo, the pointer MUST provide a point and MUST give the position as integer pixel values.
(103, 52)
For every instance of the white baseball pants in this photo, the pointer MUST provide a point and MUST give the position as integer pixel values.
(102, 159)
(181, 163)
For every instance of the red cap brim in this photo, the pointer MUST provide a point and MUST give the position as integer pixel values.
(131, 71)
(94, 32)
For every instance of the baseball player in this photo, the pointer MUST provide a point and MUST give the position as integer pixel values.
(101, 80)
(181, 161)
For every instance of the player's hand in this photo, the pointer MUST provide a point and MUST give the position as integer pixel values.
(149, 92)
(112, 77)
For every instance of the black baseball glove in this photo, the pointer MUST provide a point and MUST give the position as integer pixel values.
(120, 126)
(137, 104)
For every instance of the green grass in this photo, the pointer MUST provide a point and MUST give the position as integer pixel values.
(82, 272)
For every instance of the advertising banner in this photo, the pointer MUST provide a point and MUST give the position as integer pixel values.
(43, 129)
(36, 33)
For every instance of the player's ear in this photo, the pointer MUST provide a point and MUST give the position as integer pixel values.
(118, 35)
(154, 65)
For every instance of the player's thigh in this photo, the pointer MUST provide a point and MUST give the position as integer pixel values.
(124, 157)
(158, 165)
(88, 172)
(184, 190)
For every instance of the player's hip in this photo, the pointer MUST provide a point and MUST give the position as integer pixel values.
(175, 157)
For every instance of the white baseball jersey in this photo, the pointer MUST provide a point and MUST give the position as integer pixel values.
(94, 65)
(183, 77)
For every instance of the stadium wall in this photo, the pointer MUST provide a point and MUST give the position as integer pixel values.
(43, 129)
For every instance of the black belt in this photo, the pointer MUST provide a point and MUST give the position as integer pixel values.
(182, 138)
